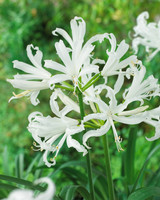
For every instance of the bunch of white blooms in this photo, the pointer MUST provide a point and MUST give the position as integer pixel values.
(147, 35)
(23, 194)
(78, 73)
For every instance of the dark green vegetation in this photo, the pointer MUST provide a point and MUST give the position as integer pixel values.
(25, 22)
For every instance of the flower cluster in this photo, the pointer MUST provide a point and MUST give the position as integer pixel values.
(78, 73)
(147, 35)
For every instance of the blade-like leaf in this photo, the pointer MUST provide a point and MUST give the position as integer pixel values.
(30, 167)
(19, 165)
(21, 182)
(69, 192)
(101, 188)
(7, 186)
(154, 179)
(76, 174)
(5, 161)
(154, 150)
(130, 156)
(145, 193)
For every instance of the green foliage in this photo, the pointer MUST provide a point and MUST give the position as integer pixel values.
(135, 171)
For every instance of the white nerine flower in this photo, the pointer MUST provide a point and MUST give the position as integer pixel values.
(110, 113)
(36, 79)
(147, 35)
(24, 194)
(51, 132)
(75, 56)
(114, 64)
(141, 89)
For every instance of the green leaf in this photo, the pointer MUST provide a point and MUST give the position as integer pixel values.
(5, 161)
(76, 175)
(19, 167)
(69, 192)
(154, 150)
(144, 193)
(67, 164)
(39, 170)
(154, 179)
(130, 156)
(21, 182)
(7, 186)
(101, 188)
(30, 167)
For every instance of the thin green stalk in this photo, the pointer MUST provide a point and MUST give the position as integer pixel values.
(91, 82)
(63, 87)
(108, 168)
(89, 167)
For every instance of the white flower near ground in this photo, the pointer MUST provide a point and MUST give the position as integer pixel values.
(112, 113)
(114, 65)
(26, 194)
(75, 56)
(36, 79)
(51, 132)
(146, 34)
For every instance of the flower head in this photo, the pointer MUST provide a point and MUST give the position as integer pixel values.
(75, 56)
(147, 35)
(36, 79)
(114, 65)
(111, 113)
(51, 132)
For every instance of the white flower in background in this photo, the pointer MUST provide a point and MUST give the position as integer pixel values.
(75, 56)
(113, 113)
(36, 79)
(51, 132)
(114, 64)
(25, 194)
(147, 35)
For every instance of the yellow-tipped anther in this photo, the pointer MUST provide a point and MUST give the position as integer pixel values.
(34, 143)
(21, 94)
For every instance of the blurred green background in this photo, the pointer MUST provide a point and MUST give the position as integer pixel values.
(24, 22)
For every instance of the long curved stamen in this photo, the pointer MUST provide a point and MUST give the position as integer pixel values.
(118, 140)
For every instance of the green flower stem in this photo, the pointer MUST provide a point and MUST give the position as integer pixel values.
(63, 87)
(91, 82)
(89, 168)
(108, 168)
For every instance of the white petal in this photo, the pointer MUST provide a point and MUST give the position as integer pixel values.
(75, 144)
(68, 101)
(54, 65)
(122, 49)
(64, 55)
(35, 59)
(64, 34)
(96, 133)
(58, 78)
(33, 98)
(28, 85)
(50, 191)
(119, 83)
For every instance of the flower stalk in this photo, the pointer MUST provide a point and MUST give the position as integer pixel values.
(88, 158)
(108, 168)
(91, 82)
